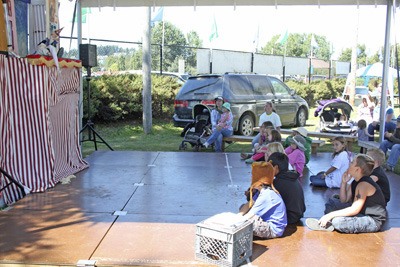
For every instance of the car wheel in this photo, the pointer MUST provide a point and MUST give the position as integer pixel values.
(301, 117)
(246, 125)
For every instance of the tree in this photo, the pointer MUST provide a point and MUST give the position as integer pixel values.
(174, 45)
(298, 45)
(193, 40)
(362, 57)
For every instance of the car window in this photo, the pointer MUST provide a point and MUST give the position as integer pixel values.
(201, 87)
(240, 85)
(260, 85)
(280, 88)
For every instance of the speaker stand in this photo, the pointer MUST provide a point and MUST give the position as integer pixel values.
(89, 126)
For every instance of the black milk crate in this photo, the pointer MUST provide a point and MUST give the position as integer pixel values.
(224, 245)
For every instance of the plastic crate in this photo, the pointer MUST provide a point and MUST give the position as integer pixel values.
(224, 245)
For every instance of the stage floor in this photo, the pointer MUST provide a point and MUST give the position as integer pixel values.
(164, 195)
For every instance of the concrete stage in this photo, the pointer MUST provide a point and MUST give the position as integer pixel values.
(164, 195)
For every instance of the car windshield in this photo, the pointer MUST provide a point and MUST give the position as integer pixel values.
(195, 86)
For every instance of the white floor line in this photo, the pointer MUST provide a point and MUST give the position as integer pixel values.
(229, 168)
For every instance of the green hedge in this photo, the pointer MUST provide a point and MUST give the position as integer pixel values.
(317, 90)
(119, 97)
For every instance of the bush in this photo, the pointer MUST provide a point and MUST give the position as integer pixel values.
(317, 90)
(119, 97)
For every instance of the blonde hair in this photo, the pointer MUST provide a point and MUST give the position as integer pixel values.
(272, 148)
(377, 155)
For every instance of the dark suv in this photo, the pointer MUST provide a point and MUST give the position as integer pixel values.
(247, 94)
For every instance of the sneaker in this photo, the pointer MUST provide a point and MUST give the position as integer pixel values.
(202, 140)
(245, 155)
(206, 144)
(388, 168)
(249, 161)
(313, 224)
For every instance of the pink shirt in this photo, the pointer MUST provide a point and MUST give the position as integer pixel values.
(296, 158)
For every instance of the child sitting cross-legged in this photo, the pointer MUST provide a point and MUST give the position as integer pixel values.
(265, 208)
(367, 211)
(339, 164)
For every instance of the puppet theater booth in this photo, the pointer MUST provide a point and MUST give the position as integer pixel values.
(39, 115)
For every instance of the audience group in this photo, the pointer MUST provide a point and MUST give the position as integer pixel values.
(276, 199)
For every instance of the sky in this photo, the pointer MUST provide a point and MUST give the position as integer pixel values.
(237, 27)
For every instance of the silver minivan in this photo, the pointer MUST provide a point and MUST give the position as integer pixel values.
(247, 94)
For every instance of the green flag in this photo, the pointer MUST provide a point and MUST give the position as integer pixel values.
(85, 12)
(214, 31)
(283, 38)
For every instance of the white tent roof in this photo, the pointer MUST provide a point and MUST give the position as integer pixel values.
(127, 3)
(375, 70)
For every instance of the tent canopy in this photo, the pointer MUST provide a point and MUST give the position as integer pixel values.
(371, 71)
(133, 3)
(375, 70)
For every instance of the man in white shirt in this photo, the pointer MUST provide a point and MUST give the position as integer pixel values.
(268, 115)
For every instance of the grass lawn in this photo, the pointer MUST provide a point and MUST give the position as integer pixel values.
(129, 135)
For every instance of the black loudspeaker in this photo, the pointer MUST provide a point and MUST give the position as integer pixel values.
(88, 55)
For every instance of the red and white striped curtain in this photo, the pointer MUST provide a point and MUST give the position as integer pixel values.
(39, 125)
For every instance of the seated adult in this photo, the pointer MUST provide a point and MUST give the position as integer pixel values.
(216, 112)
(389, 125)
(288, 185)
(367, 212)
(223, 128)
(268, 115)
(392, 142)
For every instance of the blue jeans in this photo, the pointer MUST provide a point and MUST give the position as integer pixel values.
(394, 152)
(371, 129)
(255, 139)
(356, 224)
(316, 180)
(217, 136)
(335, 204)
(389, 127)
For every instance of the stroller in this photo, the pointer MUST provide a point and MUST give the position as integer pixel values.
(330, 112)
(200, 129)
